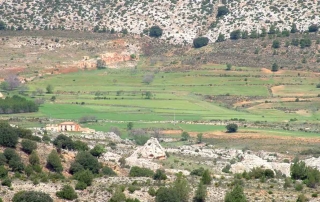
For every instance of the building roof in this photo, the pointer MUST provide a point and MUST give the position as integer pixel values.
(68, 123)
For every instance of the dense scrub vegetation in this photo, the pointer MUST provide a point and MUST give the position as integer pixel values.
(17, 104)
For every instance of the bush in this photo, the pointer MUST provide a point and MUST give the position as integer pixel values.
(34, 158)
(98, 150)
(151, 191)
(313, 28)
(198, 172)
(3, 172)
(118, 195)
(8, 136)
(274, 67)
(6, 182)
(236, 195)
(155, 31)
(133, 188)
(85, 176)
(10, 154)
(3, 159)
(298, 187)
(141, 139)
(88, 161)
(201, 193)
(222, 10)
(54, 162)
(81, 186)
(160, 175)
(226, 169)
(28, 146)
(80, 146)
(165, 194)
(206, 177)
(276, 44)
(235, 35)
(16, 165)
(75, 167)
(232, 128)
(101, 64)
(108, 171)
(34, 196)
(200, 42)
(67, 192)
(63, 142)
(185, 136)
(140, 172)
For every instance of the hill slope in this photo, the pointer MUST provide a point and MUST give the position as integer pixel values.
(181, 20)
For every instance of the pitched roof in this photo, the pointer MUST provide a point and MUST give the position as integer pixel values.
(68, 123)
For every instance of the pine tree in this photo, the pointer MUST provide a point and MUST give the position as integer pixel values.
(206, 177)
(201, 193)
(236, 195)
(54, 162)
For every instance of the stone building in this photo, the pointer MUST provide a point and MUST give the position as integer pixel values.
(69, 126)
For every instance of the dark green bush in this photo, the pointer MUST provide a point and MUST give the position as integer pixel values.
(80, 146)
(236, 195)
(232, 127)
(3, 172)
(200, 42)
(3, 159)
(34, 196)
(160, 175)
(54, 162)
(198, 171)
(28, 146)
(64, 142)
(8, 135)
(140, 172)
(6, 182)
(165, 194)
(85, 176)
(67, 192)
(108, 171)
(75, 167)
(88, 161)
(98, 150)
(16, 165)
(34, 158)
(81, 186)
(152, 192)
(10, 154)
(155, 31)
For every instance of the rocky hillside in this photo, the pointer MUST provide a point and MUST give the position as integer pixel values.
(181, 20)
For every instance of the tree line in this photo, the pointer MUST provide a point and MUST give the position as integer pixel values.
(17, 104)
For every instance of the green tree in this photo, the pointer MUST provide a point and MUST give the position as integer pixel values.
(80, 146)
(165, 194)
(108, 171)
(274, 67)
(130, 126)
(67, 192)
(54, 162)
(276, 44)
(236, 195)
(34, 196)
(34, 158)
(235, 35)
(118, 196)
(136, 171)
(155, 31)
(101, 64)
(201, 193)
(28, 146)
(49, 89)
(206, 177)
(85, 176)
(3, 25)
(221, 38)
(64, 142)
(313, 28)
(229, 66)
(148, 95)
(232, 128)
(98, 150)
(294, 28)
(181, 187)
(8, 136)
(200, 42)
(185, 136)
(75, 167)
(199, 137)
(3, 172)
(160, 175)
(222, 10)
(88, 161)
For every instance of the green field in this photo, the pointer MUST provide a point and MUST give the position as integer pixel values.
(175, 95)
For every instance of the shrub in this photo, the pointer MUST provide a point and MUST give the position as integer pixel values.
(88, 161)
(8, 136)
(54, 162)
(274, 67)
(140, 172)
(222, 10)
(313, 28)
(201, 193)
(141, 139)
(16, 165)
(298, 187)
(34, 158)
(98, 150)
(6, 182)
(206, 177)
(302, 198)
(160, 175)
(198, 171)
(101, 64)
(236, 195)
(80, 146)
(28, 146)
(75, 167)
(151, 191)
(318, 85)
(235, 35)
(232, 128)
(3, 172)
(81, 186)
(67, 192)
(268, 173)
(3, 159)
(133, 188)
(34, 196)
(63, 142)
(200, 42)
(185, 136)
(165, 194)
(10, 154)
(276, 44)
(155, 31)
(85, 176)
(118, 195)
(108, 171)
(226, 169)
